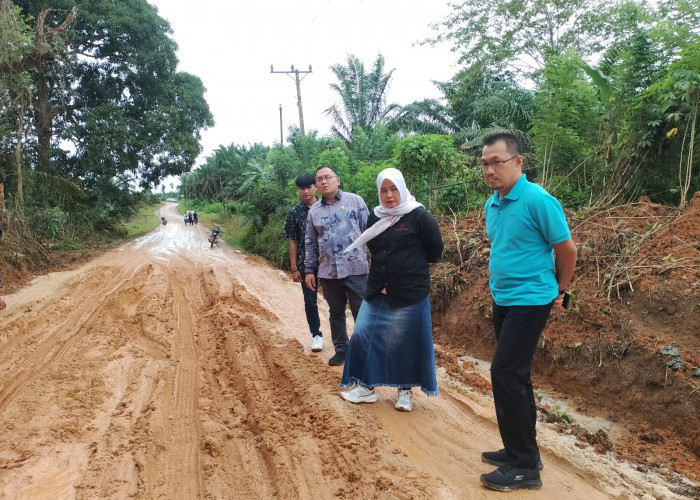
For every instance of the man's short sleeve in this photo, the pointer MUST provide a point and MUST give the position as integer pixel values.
(550, 218)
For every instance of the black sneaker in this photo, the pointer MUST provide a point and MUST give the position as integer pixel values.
(500, 458)
(337, 360)
(507, 478)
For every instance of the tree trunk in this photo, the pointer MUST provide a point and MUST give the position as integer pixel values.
(2, 201)
(44, 121)
(221, 190)
(19, 199)
(686, 183)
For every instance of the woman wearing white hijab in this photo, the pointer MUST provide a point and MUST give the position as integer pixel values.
(392, 343)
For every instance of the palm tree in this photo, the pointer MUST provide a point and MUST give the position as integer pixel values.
(257, 170)
(477, 107)
(362, 95)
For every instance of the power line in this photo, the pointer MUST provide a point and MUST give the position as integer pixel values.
(318, 14)
(378, 10)
(349, 12)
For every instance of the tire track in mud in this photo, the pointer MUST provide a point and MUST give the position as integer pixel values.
(183, 450)
(154, 427)
(64, 389)
(285, 425)
(19, 367)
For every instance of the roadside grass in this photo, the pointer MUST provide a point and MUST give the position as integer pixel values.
(230, 225)
(209, 214)
(144, 221)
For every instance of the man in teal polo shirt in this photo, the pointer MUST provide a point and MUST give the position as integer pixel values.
(531, 263)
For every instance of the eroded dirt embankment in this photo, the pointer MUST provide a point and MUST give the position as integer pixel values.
(635, 297)
(167, 369)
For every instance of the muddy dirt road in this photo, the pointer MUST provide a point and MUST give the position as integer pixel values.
(169, 370)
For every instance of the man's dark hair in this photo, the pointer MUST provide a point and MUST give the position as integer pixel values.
(326, 166)
(512, 142)
(305, 180)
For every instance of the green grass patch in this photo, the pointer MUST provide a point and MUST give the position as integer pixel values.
(144, 221)
(230, 225)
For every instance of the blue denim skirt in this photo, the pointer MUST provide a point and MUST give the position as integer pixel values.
(392, 347)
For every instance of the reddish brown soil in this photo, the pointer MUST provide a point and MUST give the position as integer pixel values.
(636, 290)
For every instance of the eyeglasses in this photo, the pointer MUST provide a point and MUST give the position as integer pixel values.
(325, 178)
(487, 164)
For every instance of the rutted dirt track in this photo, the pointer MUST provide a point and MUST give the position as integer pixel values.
(167, 369)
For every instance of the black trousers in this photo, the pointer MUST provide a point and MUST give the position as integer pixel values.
(311, 307)
(338, 293)
(517, 329)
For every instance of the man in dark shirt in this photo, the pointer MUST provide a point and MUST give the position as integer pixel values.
(295, 232)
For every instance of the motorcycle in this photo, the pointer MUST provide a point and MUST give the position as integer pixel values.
(163, 221)
(214, 236)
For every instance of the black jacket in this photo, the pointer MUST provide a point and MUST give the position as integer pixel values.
(400, 257)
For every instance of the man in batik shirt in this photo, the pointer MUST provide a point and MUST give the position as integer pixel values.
(333, 223)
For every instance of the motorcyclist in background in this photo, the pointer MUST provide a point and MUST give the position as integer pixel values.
(214, 238)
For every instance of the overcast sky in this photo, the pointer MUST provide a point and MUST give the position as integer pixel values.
(230, 45)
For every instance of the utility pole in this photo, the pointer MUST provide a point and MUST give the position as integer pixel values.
(281, 137)
(296, 73)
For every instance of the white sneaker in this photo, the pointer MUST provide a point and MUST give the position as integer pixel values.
(317, 343)
(360, 394)
(405, 400)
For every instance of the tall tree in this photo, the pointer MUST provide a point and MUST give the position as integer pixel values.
(362, 95)
(116, 95)
(566, 120)
(521, 33)
(24, 50)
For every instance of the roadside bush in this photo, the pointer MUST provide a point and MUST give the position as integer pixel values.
(570, 194)
(366, 182)
(201, 206)
(464, 191)
(146, 197)
(110, 225)
(269, 242)
(54, 220)
(263, 201)
(426, 161)
(339, 161)
(232, 208)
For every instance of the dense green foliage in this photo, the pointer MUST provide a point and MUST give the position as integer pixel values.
(595, 133)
